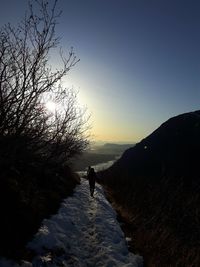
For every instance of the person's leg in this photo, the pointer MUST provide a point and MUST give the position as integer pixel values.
(91, 191)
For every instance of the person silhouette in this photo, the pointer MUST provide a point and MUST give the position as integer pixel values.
(88, 170)
(92, 179)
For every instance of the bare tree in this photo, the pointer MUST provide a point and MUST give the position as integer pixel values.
(27, 80)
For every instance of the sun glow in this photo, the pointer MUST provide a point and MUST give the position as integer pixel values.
(51, 106)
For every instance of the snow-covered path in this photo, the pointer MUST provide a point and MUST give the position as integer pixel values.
(84, 233)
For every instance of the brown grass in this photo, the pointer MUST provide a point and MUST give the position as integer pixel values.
(157, 242)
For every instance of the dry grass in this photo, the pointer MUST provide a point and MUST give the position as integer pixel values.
(154, 237)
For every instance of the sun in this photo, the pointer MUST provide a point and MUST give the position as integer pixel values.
(51, 106)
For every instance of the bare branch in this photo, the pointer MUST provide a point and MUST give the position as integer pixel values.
(27, 78)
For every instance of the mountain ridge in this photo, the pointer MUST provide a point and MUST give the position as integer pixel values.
(155, 185)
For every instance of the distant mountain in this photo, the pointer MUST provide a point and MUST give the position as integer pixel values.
(111, 148)
(157, 183)
(99, 154)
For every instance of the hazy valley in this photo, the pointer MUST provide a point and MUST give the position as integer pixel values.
(99, 154)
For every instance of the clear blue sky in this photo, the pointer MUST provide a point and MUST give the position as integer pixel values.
(140, 60)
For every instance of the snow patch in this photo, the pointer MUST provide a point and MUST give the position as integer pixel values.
(84, 233)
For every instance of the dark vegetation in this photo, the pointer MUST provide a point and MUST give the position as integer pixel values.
(35, 143)
(155, 187)
(29, 193)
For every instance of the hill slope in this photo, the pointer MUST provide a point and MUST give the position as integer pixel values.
(29, 193)
(157, 184)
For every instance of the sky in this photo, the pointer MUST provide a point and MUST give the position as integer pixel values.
(139, 60)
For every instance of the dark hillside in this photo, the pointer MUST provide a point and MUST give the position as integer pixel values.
(30, 190)
(156, 186)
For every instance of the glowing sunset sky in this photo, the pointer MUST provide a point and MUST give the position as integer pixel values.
(140, 60)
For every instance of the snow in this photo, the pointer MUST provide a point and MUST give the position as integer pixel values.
(84, 233)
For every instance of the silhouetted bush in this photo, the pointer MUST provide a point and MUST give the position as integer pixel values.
(35, 143)
(28, 82)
